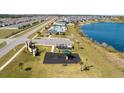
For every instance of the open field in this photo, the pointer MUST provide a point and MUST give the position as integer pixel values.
(97, 59)
(5, 33)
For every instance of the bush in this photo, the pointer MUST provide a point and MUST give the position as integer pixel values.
(28, 69)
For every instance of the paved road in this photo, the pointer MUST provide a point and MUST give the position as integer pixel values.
(11, 43)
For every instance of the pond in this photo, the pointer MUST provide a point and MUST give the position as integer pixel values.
(106, 32)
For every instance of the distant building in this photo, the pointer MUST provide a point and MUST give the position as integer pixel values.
(16, 23)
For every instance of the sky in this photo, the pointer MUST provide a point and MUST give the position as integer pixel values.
(107, 7)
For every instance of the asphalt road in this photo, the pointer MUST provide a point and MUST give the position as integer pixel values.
(11, 43)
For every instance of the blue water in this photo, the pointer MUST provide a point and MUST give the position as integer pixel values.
(110, 33)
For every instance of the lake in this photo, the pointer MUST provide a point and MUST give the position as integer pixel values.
(106, 32)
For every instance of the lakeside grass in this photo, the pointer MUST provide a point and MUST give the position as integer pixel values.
(121, 55)
(96, 55)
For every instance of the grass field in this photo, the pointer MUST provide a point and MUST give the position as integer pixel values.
(5, 33)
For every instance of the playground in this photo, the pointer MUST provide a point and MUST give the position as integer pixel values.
(57, 58)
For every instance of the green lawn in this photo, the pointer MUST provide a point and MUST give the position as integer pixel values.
(5, 33)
